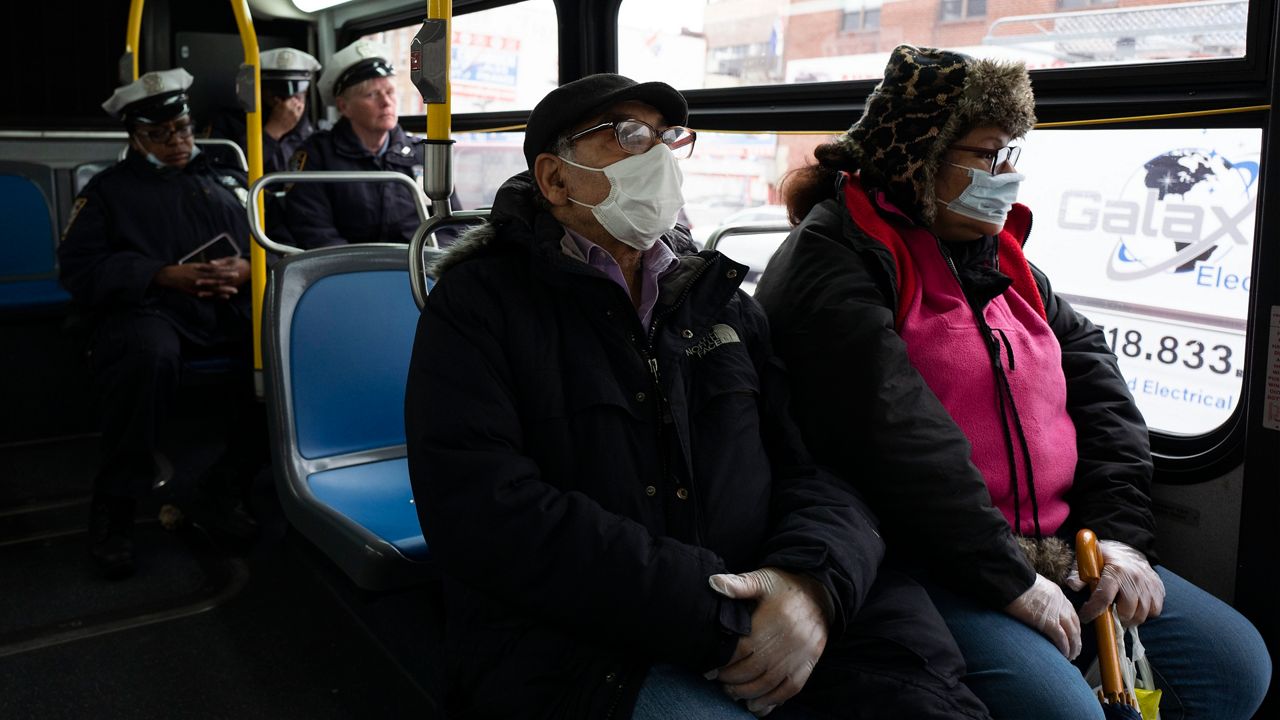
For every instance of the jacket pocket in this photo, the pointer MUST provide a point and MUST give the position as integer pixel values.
(723, 375)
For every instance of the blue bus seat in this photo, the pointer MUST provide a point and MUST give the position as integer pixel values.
(337, 335)
(28, 247)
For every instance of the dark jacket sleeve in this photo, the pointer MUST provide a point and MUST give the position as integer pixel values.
(93, 269)
(819, 524)
(497, 526)
(1111, 491)
(308, 211)
(866, 412)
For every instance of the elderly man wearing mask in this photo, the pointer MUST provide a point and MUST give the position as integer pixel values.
(604, 466)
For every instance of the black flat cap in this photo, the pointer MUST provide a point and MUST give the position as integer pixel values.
(574, 102)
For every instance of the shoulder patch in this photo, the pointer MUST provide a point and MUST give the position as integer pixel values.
(298, 161)
(719, 335)
(75, 210)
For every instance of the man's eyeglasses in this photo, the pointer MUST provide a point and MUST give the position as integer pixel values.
(637, 137)
(160, 134)
(998, 157)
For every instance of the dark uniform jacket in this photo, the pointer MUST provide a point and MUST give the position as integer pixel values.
(323, 214)
(276, 154)
(133, 219)
(867, 414)
(579, 479)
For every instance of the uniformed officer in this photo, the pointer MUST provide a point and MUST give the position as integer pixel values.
(287, 74)
(154, 255)
(367, 138)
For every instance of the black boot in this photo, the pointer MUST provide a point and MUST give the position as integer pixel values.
(221, 510)
(111, 536)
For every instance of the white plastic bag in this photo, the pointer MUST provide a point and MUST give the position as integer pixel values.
(1135, 672)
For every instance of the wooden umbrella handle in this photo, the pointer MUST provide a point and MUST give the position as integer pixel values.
(1089, 565)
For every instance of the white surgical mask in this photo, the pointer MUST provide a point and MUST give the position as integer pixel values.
(151, 158)
(644, 197)
(988, 197)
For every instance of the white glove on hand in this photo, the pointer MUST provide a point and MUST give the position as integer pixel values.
(1128, 580)
(1045, 608)
(788, 635)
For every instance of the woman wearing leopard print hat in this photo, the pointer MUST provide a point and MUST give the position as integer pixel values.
(981, 415)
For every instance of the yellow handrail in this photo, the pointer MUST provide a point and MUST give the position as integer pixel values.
(438, 116)
(133, 32)
(253, 140)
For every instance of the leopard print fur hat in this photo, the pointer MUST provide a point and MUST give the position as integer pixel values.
(926, 101)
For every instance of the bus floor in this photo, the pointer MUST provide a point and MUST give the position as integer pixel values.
(197, 632)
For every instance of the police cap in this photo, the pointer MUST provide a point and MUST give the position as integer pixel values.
(355, 63)
(155, 97)
(287, 71)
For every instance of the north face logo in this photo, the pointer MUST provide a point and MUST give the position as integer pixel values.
(719, 335)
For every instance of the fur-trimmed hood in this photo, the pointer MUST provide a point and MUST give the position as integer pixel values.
(926, 101)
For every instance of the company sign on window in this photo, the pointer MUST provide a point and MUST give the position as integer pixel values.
(1150, 234)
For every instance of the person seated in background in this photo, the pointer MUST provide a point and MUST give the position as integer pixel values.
(984, 418)
(367, 138)
(154, 256)
(604, 467)
(287, 74)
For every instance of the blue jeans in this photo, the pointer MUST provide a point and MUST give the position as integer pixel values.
(671, 693)
(1209, 661)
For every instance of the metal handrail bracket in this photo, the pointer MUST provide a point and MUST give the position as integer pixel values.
(745, 229)
(321, 176)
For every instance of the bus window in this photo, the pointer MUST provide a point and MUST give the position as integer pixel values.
(730, 173)
(502, 59)
(695, 44)
(1150, 234)
(482, 162)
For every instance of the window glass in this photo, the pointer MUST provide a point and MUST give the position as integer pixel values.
(501, 59)
(1150, 234)
(733, 178)
(694, 44)
(482, 162)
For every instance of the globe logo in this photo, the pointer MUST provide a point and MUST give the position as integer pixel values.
(1183, 207)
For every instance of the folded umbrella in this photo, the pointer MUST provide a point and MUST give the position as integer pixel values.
(1118, 702)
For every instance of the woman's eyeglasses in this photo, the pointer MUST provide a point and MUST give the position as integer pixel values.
(998, 156)
(637, 137)
(160, 134)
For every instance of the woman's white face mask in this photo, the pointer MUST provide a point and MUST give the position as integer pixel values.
(644, 196)
(988, 198)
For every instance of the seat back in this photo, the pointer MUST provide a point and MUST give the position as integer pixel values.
(338, 334)
(28, 242)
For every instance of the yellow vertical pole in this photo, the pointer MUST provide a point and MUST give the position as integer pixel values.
(133, 33)
(438, 117)
(253, 140)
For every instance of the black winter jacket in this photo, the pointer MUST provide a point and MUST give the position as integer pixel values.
(579, 479)
(133, 219)
(867, 414)
(324, 214)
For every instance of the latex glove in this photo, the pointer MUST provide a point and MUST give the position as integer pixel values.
(1045, 608)
(788, 635)
(1128, 580)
